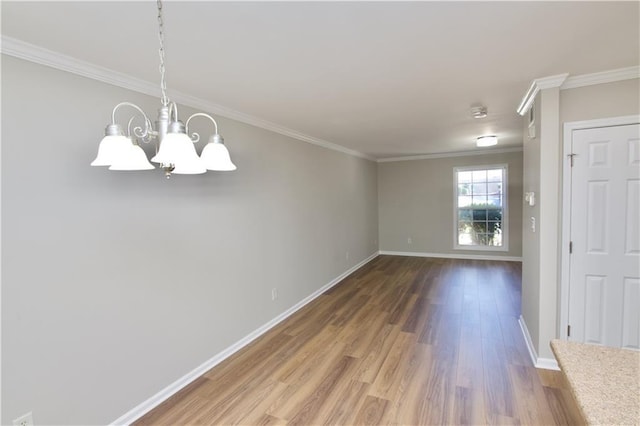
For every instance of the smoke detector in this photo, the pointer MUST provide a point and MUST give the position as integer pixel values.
(479, 111)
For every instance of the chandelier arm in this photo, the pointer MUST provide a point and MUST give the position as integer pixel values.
(137, 131)
(195, 137)
(148, 129)
(133, 117)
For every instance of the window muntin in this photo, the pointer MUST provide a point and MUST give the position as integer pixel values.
(480, 208)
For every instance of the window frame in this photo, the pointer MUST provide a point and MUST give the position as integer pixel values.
(505, 208)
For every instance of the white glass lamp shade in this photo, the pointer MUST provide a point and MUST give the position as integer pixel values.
(483, 141)
(178, 149)
(133, 159)
(191, 168)
(111, 148)
(215, 156)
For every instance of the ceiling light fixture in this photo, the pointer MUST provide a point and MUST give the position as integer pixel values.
(175, 151)
(479, 111)
(483, 141)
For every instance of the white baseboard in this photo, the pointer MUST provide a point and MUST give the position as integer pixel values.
(151, 403)
(544, 363)
(452, 255)
(547, 364)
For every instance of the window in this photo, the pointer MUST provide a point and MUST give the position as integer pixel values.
(480, 208)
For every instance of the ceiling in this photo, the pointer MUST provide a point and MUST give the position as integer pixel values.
(385, 79)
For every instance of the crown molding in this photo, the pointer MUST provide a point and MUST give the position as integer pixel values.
(450, 154)
(537, 85)
(611, 76)
(565, 82)
(36, 54)
(39, 55)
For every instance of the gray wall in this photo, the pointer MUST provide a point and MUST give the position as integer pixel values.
(115, 284)
(543, 174)
(540, 248)
(415, 199)
(531, 242)
(600, 101)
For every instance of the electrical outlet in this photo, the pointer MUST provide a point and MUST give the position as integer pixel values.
(24, 420)
(274, 293)
(409, 240)
(347, 255)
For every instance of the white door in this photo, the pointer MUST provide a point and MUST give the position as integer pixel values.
(604, 280)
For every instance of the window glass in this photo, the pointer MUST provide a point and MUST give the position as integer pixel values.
(464, 177)
(464, 201)
(480, 206)
(479, 175)
(494, 175)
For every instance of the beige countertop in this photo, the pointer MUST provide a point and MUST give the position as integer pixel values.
(605, 381)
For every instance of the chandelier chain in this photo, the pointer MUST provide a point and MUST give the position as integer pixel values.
(163, 81)
(120, 150)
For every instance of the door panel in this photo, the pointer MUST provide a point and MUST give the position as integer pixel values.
(632, 237)
(604, 284)
(594, 298)
(597, 212)
(631, 314)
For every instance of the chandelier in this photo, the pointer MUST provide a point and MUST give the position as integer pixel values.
(175, 150)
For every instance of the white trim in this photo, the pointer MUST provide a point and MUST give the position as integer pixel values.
(450, 154)
(537, 85)
(528, 98)
(544, 363)
(610, 76)
(565, 82)
(451, 255)
(547, 364)
(151, 403)
(1, 292)
(32, 53)
(565, 258)
(202, 104)
(505, 208)
(39, 55)
(551, 81)
(603, 122)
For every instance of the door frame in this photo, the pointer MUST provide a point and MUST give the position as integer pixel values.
(565, 258)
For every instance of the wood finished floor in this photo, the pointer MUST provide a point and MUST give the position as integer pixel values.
(402, 341)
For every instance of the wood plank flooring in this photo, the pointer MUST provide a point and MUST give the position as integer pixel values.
(402, 341)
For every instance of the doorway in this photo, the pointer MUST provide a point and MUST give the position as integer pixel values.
(600, 288)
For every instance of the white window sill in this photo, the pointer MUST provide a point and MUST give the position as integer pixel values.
(481, 248)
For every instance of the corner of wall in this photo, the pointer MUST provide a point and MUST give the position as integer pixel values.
(538, 362)
(146, 406)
